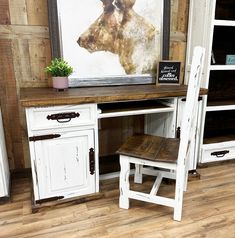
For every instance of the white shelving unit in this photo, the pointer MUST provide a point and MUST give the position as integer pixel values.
(212, 25)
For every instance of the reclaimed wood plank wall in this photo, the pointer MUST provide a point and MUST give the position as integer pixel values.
(24, 53)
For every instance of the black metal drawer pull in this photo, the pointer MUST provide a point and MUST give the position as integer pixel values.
(63, 117)
(92, 161)
(44, 137)
(220, 154)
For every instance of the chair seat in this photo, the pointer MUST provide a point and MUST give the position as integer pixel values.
(154, 148)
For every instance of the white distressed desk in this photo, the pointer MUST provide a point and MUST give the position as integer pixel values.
(63, 130)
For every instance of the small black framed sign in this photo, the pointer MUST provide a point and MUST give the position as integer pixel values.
(169, 72)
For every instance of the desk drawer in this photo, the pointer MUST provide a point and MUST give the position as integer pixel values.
(60, 116)
(218, 152)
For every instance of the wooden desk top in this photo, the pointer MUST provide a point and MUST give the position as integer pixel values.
(30, 97)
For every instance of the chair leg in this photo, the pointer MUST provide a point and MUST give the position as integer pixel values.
(186, 180)
(179, 190)
(186, 170)
(124, 184)
(138, 178)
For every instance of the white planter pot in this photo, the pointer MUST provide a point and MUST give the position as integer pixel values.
(60, 82)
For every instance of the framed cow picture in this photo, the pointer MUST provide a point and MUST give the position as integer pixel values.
(110, 42)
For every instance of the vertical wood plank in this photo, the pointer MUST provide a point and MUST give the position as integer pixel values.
(39, 51)
(178, 52)
(183, 16)
(115, 131)
(9, 102)
(179, 24)
(37, 12)
(18, 12)
(4, 13)
(6, 72)
(31, 56)
(174, 11)
(21, 60)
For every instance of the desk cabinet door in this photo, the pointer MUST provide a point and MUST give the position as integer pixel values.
(62, 165)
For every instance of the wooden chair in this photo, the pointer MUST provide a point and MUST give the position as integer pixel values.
(167, 155)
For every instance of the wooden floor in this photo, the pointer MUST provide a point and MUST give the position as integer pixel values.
(209, 211)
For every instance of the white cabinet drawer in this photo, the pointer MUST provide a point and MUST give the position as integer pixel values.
(218, 152)
(39, 118)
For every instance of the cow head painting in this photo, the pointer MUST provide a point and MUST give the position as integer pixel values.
(122, 31)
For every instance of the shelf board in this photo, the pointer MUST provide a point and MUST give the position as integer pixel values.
(222, 67)
(219, 139)
(220, 105)
(224, 23)
(108, 110)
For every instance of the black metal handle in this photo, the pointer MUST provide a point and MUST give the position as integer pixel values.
(44, 137)
(92, 161)
(220, 154)
(63, 117)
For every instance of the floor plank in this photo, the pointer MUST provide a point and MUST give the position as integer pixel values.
(209, 211)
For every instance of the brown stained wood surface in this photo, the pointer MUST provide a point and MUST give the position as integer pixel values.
(208, 211)
(218, 139)
(28, 12)
(37, 12)
(112, 133)
(30, 97)
(4, 12)
(154, 148)
(23, 32)
(9, 104)
(178, 37)
(18, 12)
(221, 102)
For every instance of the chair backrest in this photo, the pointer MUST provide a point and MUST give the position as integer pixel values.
(191, 107)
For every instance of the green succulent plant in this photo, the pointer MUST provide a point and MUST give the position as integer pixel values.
(59, 68)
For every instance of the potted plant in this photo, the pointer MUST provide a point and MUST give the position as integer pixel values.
(59, 70)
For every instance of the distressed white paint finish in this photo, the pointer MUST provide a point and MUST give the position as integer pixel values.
(4, 168)
(163, 124)
(220, 108)
(201, 29)
(38, 116)
(63, 165)
(138, 178)
(135, 112)
(222, 67)
(60, 166)
(178, 169)
(208, 151)
(224, 23)
(124, 183)
(194, 151)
